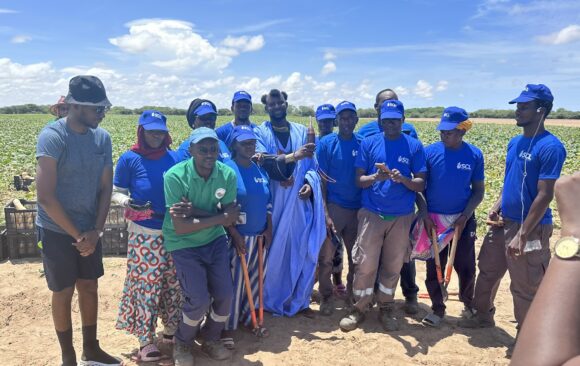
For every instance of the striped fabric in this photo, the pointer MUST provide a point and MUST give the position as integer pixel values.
(240, 309)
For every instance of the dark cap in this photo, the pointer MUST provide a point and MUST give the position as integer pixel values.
(87, 90)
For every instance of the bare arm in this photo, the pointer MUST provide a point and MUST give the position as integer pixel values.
(477, 193)
(551, 333)
(365, 181)
(415, 184)
(539, 205)
(104, 197)
(46, 178)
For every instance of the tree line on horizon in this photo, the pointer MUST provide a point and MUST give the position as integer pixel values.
(302, 111)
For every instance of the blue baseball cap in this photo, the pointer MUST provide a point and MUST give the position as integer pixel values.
(392, 109)
(153, 120)
(204, 108)
(345, 105)
(534, 92)
(202, 133)
(325, 111)
(451, 117)
(243, 133)
(241, 95)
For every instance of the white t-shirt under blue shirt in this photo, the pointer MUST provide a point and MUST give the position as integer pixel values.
(144, 180)
(253, 196)
(405, 154)
(543, 160)
(336, 158)
(450, 174)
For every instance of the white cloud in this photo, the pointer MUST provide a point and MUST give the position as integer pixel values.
(400, 90)
(260, 26)
(441, 85)
(244, 43)
(21, 38)
(8, 11)
(328, 68)
(568, 34)
(423, 89)
(14, 71)
(329, 56)
(174, 45)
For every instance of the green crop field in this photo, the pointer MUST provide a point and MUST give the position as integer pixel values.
(20, 132)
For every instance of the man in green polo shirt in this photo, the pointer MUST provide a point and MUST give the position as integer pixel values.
(198, 245)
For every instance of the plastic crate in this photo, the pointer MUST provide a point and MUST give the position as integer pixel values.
(115, 241)
(22, 246)
(20, 221)
(24, 221)
(3, 246)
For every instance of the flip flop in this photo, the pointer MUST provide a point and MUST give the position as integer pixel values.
(432, 320)
(150, 353)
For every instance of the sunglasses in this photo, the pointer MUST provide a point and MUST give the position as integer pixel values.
(100, 110)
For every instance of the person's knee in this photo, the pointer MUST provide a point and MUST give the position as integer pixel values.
(87, 286)
(65, 294)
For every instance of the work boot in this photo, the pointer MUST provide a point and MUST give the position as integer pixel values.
(216, 350)
(327, 306)
(388, 320)
(351, 320)
(182, 354)
(411, 306)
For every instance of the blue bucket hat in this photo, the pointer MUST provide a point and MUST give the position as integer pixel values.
(241, 95)
(153, 120)
(204, 108)
(325, 111)
(392, 109)
(534, 92)
(345, 105)
(202, 133)
(243, 133)
(451, 117)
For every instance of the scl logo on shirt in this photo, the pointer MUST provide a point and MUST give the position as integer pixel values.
(354, 152)
(259, 180)
(525, 155)
(462, 166)
(404, 160)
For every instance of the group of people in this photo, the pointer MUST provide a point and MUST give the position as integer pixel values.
(274, 204)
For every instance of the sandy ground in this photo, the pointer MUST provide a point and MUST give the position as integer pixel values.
(508, 121)
(28, 336)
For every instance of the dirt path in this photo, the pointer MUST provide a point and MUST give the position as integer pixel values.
(29, 339)
(508, 121)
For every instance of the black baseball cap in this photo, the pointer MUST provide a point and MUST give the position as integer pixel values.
(87, 90)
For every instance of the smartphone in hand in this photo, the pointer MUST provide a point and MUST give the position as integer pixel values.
(383, 167)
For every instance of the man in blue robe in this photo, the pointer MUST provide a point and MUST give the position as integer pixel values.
(298, 211)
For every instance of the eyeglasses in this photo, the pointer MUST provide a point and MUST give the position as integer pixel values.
(100, 109)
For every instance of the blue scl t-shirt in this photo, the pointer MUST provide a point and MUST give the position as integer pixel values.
(144, 179)
(374, 127)
(254, 197)
(336, 158)
(405, 154)
(81, 159)
(450, 173)
(224, 132)
(543, 161)
(183, 151)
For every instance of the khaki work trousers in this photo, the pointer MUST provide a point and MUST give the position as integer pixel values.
(382, 246)
(526, 271)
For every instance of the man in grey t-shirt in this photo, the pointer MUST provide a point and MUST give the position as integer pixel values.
(74, 181)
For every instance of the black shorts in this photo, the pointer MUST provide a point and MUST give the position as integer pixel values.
(63, 263)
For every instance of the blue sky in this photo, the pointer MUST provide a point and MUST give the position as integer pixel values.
(473, 54)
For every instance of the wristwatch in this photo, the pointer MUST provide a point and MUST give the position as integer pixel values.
(567, 247)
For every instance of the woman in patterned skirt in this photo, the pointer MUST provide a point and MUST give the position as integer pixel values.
(151, 288)
(254, 197)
